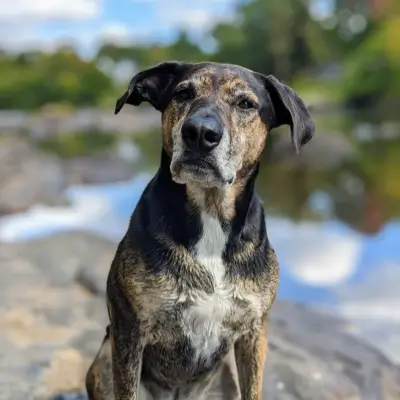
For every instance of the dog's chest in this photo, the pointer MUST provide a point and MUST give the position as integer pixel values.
(203, 320)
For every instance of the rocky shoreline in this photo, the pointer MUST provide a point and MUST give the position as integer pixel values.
(29, 176)
(53, 316)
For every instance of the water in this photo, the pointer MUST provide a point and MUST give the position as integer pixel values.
(333, 216)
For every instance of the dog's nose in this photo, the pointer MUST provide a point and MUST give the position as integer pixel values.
(201, 133)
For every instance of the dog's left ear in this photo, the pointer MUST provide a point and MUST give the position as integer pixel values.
(150, 85)
(290, 110)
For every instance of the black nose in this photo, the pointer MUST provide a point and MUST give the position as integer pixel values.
(201, 133)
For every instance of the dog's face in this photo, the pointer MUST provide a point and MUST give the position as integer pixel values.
(216, 117)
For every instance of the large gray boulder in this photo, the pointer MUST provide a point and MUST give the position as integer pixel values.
(28, 177)
(53, 318)
(50, 326)
(313, 357)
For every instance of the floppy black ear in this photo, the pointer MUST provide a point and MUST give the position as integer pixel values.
(290, 110)
(149, 85)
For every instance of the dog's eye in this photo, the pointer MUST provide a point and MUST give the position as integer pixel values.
(245, 104)
(184, 94)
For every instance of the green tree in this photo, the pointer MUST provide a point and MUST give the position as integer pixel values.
(269, 36)
(145, 55)
(31, 80)
(373, 70)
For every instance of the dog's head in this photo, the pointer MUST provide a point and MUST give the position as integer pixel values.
(216, 117)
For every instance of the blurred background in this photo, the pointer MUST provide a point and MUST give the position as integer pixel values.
(71, 172)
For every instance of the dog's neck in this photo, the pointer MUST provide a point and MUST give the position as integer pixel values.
(230, 205)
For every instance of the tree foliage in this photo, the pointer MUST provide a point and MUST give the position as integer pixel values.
(33, 79)
(278, 37)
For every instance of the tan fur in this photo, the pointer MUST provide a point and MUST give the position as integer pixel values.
(190, 320)
(99, 377)
(144, 291)
(217, 202)
(251, 353)
(248, 134)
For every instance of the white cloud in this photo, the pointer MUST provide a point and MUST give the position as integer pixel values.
(22, 37)
(49, 9)
(197, 19)
(114, 32)
(196, 15)
(14, 37)
(22, 22)
(118, 33)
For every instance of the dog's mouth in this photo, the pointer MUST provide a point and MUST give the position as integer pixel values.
(200, 170)
(199, 164)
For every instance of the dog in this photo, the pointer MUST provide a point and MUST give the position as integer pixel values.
(193, 279)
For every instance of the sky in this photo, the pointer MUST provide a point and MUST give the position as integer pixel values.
(45, 24)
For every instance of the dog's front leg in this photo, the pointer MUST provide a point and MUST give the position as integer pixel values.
(250, 355)
(127, 351)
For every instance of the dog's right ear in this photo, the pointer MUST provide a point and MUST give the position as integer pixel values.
(150, 85)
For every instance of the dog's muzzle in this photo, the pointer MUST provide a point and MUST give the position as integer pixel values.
(202, 154)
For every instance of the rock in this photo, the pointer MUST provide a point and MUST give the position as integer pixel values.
(313, 357)
(97, 169)
(53, 318)
(28, 177)
(49, 325)
(52, 121)
(92, 280)
(113, 164)
(324, 152)
(57, 258)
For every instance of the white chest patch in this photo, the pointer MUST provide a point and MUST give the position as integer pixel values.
(210, 247)
(203, 320)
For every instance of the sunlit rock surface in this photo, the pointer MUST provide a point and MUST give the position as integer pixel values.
(53, 316)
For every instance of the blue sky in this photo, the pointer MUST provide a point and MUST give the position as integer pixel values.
(85, 23)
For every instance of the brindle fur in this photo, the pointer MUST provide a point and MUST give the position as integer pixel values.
(158, 288)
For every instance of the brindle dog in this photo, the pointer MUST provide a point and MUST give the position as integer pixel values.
(193, 278)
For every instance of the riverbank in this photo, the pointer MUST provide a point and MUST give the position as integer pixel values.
(53, 315)
(29, 175)
(69, 199)
(55, 121)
